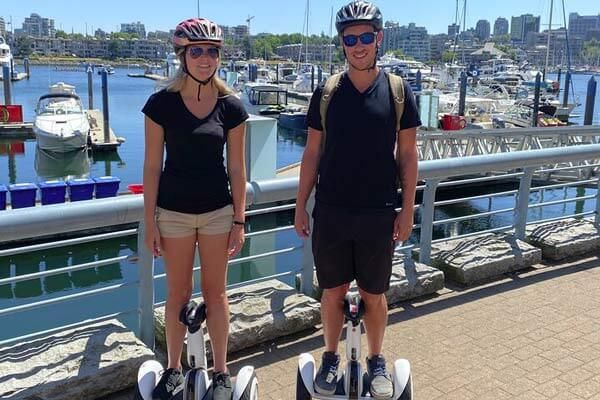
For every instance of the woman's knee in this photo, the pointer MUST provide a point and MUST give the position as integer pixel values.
(214, 297)
(180, 295)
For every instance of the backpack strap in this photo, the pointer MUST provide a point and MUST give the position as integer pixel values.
(331, 85)
(397, 89)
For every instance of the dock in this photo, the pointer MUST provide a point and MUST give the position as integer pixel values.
(21, 130)
(154, 77)
(96, 138)
(19, 76)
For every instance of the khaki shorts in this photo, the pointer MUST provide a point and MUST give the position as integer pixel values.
(173, 224)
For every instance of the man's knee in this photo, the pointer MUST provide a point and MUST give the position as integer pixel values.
(337, 293)
(372, 300)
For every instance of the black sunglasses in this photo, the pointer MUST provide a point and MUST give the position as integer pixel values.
(365, 38)
(196, 52)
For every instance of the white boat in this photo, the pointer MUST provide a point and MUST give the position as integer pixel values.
(173, 64)
(266, 99)
(5, 54)
(60, 123)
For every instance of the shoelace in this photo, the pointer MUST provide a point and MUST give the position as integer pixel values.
(379, 369)
(172, 381)
(219, 380)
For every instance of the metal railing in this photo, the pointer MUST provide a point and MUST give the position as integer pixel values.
(47, 221)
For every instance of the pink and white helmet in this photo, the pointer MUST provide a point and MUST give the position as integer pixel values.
(196, 30)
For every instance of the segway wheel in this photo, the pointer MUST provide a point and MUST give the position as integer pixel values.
(251, 391)
(302, 392)
(137, 395)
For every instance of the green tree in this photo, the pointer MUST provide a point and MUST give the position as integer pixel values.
(114, 49)
(61, 34)
(591, 52)
(23, 46)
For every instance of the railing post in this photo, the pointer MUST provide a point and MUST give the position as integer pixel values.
(146, 289)
(597, 217)
(522, 204)
(428, 207)
(306, 277)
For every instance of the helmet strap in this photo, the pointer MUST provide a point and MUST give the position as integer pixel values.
(200, 82)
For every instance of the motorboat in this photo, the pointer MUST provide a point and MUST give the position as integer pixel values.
(60, 124)
(5, 54)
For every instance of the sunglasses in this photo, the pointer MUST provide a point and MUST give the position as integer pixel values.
(365, 38)
(197, 52)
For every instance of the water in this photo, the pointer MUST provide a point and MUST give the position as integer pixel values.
(126, 98)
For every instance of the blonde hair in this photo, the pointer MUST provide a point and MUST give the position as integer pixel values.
(177, 82)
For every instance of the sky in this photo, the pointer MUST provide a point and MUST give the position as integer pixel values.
(276, 16)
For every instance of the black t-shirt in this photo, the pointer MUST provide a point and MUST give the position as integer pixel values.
(194, 179)
(357, 170)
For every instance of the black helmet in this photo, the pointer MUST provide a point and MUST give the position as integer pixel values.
(358, 12)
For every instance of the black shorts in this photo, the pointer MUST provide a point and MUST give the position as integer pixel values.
(351, 246)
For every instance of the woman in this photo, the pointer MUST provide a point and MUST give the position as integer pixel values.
(189, 202)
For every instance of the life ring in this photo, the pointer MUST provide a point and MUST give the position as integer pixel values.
(555, 85)
(4, 115)
(475, 73)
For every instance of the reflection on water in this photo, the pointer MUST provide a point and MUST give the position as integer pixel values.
(53, 165)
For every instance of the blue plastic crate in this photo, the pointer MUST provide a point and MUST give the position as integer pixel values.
(53, 192)
(81, 189)
(22, 195)
(106, 186)
(2, 197)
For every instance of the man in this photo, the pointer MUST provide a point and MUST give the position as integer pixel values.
(355, 222)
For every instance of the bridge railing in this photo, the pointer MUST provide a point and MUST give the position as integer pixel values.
(42, 224)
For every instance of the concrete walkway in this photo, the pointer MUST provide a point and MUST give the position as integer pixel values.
(533, 335)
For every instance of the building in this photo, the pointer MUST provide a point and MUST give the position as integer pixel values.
(134, 27)
(160, 35)
(438, 45)
(307, 53)
(453, 30)
(2, 27)
(100, 34)
(412, 40)
(482, 30)
(38, 27)
(501, 27)
(537, 45)
(522, 26)
(102, 48)
(580, 25)
(235, 33)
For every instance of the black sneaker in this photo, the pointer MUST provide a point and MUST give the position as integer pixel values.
(381, 386)
(170, 383)
(221, 383)
(326, 379)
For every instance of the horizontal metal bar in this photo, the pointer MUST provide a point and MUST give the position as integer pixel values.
(269, 231)
(268, 210)
(482, 179)
(567, 168)
(472, 216)
(43, 303)
(493, 230)
(542, 221)
(236, 285)
(75, 325)
(245, 259)
(67, 242)
(564, 201)
(562, 185)
(546, 132)
(483, 196)
(62, 270)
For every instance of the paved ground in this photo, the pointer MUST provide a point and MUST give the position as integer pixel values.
(535, 335)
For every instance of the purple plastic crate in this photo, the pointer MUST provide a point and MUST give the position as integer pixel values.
(22, 195)
(81, 189)
(2, 197)
(107, 186)
(53, 192)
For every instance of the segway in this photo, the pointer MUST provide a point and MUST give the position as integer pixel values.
(352, 383)
(197, 385)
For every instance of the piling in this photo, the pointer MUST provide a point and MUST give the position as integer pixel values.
(26, 67)
(90, 81)
(312, 78)
(566, 92)
(558, 77)
(105, 105)
(536, 100)
(320, 74)
(589, 102)
(7, 84)
(462, 94)
(418, 81)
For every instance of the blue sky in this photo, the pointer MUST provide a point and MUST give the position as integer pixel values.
(275, 16)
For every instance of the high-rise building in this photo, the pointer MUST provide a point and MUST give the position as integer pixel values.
(412, 40)
(2, 27)
(501, 26)
(522, 25)
(134, 27)
(453, 30)
(38, 27)
(580, 25)
(482, 29)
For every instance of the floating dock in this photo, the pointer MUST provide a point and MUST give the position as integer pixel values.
(154, 77)
(96, 138)
(19, 76)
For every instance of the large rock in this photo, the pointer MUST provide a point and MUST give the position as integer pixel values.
(478, 258)
(409, 280)
(83, 363)
(565, 238)
(259, 312)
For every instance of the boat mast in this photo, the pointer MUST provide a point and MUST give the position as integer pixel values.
(548, 43)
